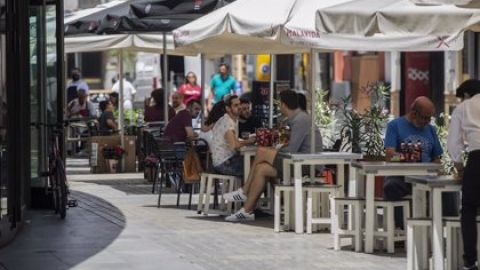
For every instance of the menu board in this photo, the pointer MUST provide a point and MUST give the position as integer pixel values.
(261, 99)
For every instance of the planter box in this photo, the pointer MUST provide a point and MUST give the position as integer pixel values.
(98, 163)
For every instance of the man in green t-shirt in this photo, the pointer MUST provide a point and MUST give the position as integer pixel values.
(222, 84)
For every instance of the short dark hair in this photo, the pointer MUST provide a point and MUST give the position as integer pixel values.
(225, 65)
(158, 96)
(228, 100)
(302, 101)
(470, 87)
(113, 94)
(289, 98)
(218, 110)
(103, 105)
(244, 100)
(192, 102)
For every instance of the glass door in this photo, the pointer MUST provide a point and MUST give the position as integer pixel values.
(3, 116)
(37, 59)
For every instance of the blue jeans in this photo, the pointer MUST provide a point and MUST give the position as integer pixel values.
(232, 166)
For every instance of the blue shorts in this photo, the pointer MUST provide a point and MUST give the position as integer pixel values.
(232, 166)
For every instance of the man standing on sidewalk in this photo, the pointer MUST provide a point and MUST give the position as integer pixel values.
(465, 130)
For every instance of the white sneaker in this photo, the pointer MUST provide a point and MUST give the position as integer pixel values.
(240, 216)
(235, 196)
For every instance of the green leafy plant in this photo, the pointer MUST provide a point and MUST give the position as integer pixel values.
(375, 120)
(441, 127)
(363, 132)
(324, 117)
(351, 126)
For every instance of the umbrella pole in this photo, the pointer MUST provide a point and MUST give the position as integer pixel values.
(273, 64)
(165, 80)
(120, 106)
(312, 103)
(202, 84)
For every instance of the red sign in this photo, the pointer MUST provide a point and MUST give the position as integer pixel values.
(417, 76)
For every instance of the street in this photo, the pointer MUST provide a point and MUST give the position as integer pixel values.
(118, 226)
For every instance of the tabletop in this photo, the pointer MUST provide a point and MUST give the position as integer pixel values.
(385, 165)
(434, 180)
(321, 155)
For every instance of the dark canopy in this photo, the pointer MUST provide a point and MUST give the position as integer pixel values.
(141, 16)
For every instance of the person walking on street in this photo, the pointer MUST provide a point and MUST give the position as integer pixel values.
(465, 130)
(222, 84)
(190, 89)
(128, 93)
(75, 84)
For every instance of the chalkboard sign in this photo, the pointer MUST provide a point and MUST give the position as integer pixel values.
(260, 98)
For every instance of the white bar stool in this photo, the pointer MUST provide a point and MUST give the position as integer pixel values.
(387, 230)
(343, 227)
(228, 184)
(323, 212)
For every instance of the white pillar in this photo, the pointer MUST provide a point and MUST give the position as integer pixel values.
(166, 92)
(273, 64)
(395, 71)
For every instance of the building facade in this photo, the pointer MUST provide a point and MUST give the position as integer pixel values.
(31, 92)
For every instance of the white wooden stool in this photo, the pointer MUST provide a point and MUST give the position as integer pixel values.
(453, 242)
(417, 252)
(207, 182)
(340, 226)
(324, 213)
(387, 230)
(288, 194)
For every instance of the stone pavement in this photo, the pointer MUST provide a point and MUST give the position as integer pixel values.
(118, 226)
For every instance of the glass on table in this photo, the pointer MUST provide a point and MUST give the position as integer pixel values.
(245, 135)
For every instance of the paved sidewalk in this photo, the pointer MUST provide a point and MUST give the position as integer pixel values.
(118, 226)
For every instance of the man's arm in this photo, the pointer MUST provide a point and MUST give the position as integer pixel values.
(298, 132)
(234, 143)
(391, 139)
(455, 143)
(190, 133)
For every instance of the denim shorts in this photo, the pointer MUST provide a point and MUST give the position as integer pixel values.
(232, 166)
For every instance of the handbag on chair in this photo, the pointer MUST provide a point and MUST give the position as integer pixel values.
(192, 168)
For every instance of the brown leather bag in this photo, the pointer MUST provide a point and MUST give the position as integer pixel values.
(192, 168)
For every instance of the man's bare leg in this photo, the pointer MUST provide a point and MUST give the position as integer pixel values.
(264, 155)
(262, 172)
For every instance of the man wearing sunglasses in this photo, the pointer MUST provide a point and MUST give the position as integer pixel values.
(413, 127)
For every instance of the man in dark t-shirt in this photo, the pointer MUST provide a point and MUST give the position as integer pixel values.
(247, 122)
(180, 127)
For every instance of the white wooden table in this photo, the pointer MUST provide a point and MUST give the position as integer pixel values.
(340, 159)
(247, 152)
(435, 185)
(370, 169)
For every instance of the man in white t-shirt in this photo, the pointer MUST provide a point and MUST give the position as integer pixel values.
(128, 93)
(225, 143)
(81, 107)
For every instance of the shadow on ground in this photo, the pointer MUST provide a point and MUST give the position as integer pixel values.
(47, 242)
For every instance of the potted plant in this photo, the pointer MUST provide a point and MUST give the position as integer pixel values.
(324, 119)
(350, 127)
(112, 154)
(374, 121)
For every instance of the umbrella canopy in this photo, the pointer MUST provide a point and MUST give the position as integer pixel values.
(135, 42)
(289, 27)
(398, 17)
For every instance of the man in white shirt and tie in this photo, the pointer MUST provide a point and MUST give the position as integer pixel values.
(465, 130)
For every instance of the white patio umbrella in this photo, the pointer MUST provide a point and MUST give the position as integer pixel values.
(399, 17)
